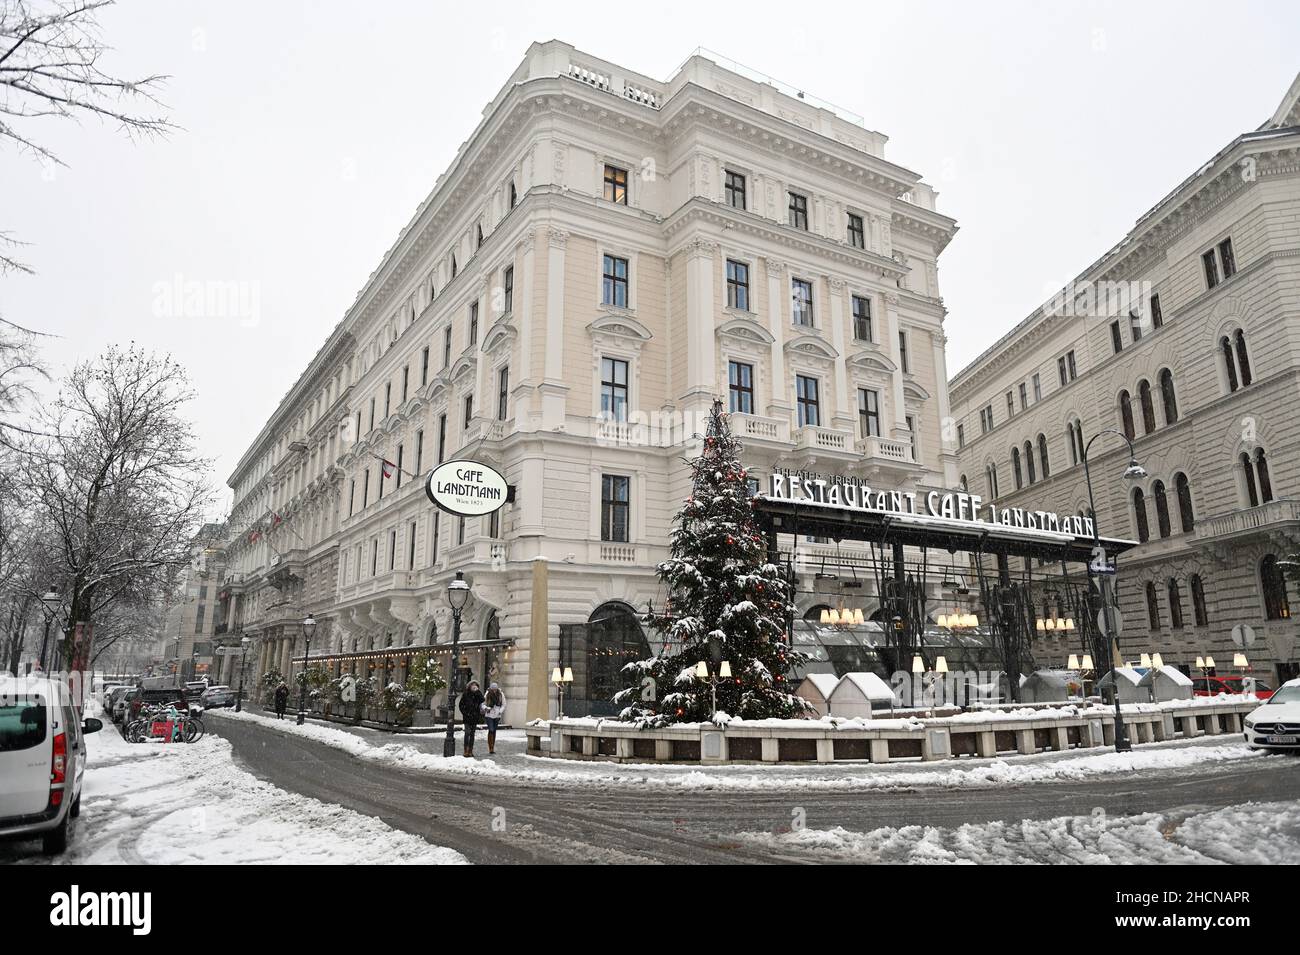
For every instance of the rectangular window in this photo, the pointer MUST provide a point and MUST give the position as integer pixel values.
(372, 414)
(437, 535)
(1065, 368)
(446, 347)
(424, 366)
(419, 451)
(473, 323)
(357, 436)
(392, 550)
(503, 392)
(862, 318)
(615, 493)
(397, 475)
(469, 410)
(508, 290)
(613, 389)
(388, 399)
(961, 436)
(1024, 396)
(798, 211)
(616, 185)
(911, 435)
(1116, 339)
(801, 293)
(1069, 365)
(460, 531)
(1157, 320)
(494, 525)
(198, 619)
(442, 438)
(1038, 388)
(986, 419)
(1011, 406)
(903, 361)
(1211, 269)
(614, 282)
(740, 383)
(406, 381)
(365, 490)
(514, 194)
(737, 285)
(1226, 259)
(735, 190)
(374, 556)
(869, 412)
(857, 237)
(410, 548)
(352, 498)
(806, 400)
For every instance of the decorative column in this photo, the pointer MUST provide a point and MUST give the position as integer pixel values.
(778, 319)
(900, 430)
(701, 351)
(554, 390)
(842, 413)
(526, 315)
(539, 644)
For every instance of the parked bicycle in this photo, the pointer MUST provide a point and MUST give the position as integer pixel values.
(185, 727)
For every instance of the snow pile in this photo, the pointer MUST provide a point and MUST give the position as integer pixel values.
(1254, 833)
(178, 804)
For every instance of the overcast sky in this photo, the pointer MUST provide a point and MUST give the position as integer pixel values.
(311, 131)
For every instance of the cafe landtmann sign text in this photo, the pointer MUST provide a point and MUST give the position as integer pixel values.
(467, 488)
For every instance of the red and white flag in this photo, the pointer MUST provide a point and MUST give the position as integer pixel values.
(388, 467)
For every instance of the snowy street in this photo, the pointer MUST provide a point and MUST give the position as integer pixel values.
(190, 804)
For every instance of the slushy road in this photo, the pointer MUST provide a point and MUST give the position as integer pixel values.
(501, 821)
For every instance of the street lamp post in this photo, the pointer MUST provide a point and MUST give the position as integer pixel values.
(724, 673)
(1134, 471)
(308, 628)
(457, 597)
(561, 679)
(49, 602)
(243, 660)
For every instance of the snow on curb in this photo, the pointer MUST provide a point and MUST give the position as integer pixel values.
(992, 773)
(176, 804)
(1252, 833)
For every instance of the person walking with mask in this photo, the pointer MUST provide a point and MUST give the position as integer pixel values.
(494, 708)
(471, 711)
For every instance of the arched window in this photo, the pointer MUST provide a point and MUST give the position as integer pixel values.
(1261, 475)
(1126, 414)
(1167, 396)
(1198, 602)
(1015, 468)
(1248, 472)
(1153, 606)
(1277, 603)
(598, 651)
(1243, 360)
(1029, 461)
(1140, 515)
(453, 265)
(991, 475)
(1042, 456)
(1175, 604)
(1162, 508)
(1148, 407)
(1071, 441)
(1229, 362)
(1185, 513)
(964, 485)
(814, 613)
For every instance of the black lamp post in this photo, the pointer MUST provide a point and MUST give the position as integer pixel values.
(243, 659)
(1133, 472)
(308, 628)
(49, 603)
(457, 597)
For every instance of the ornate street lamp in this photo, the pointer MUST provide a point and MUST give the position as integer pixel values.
(308, 628)
(724, 673)
(1134, 472)
(457, 597)
(561, 679)
(243, 659)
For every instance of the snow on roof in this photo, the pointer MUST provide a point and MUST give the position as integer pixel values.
(824, 683)
(1128, 673)
(868, 684)
(1049, 677)
(1177, 677)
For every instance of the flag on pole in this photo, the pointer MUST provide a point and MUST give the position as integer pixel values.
(276, 520)
(388, 467)
(252, 538)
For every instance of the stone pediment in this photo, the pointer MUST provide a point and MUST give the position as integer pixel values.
(914, 392)
(872, 360)
(501, 334)
(464, 366)
(810, 346)
(620, 325)
(745, 330)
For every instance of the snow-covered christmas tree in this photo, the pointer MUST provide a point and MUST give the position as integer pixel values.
(725, 602)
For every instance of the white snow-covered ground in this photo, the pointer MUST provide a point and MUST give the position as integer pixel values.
(423, 754)
(1252, 833)
(175, 804)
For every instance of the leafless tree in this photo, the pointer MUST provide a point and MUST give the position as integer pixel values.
(50, 69)
(120, 481)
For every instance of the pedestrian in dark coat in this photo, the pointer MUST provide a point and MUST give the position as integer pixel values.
(471, 711)
(281, 699)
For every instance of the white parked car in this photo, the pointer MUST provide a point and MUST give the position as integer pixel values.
(1276, 724)
(42, 761)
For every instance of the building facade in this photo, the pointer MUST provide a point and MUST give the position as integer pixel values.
(1184, 337)
(606, 257)
(191, 618)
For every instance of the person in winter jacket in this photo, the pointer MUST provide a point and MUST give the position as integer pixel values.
(494, 707)
(281, 699)
(471, 711)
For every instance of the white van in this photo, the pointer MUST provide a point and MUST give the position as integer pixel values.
(42, 761)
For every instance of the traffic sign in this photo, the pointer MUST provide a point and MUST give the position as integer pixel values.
(1243, 635)
(1115, 616)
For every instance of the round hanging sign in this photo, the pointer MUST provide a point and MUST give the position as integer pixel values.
(466, 488)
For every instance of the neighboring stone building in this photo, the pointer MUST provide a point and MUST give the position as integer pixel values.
(1201, 367)
(606, 255)
(191, 621)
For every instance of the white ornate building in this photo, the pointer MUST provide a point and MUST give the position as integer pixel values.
(1200, 366)
(606, 256)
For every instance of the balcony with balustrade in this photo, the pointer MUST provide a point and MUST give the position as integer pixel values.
(1275, 516)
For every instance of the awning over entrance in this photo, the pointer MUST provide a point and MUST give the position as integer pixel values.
(395, 654)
